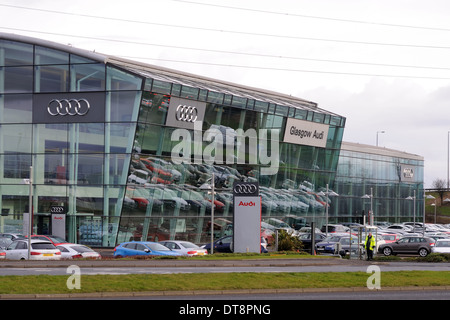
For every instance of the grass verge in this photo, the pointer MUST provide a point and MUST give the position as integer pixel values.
(44, 284)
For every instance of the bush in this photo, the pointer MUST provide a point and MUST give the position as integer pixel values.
(435, 257)
(286, 242)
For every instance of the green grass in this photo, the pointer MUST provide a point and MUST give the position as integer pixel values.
(44, 284)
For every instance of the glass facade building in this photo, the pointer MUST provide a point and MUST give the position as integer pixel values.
(128, 150)
(387, 182)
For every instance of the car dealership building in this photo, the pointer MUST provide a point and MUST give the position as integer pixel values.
(122, 150)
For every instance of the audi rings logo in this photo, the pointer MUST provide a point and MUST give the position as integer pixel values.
(68, 107)
(247, 188)
(186, 113)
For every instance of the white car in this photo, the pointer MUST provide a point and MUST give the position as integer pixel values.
(40, 250)
(441, 246)
(184, 247)
(75, 251)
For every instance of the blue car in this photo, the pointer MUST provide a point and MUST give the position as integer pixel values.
(142, 248)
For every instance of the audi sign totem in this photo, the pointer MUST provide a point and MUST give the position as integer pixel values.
(247, 217)
(70, 107)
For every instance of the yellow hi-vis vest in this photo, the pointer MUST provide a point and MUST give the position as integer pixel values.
(371, 244)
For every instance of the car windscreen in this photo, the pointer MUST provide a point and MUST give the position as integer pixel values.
(81, 249)
(189, 245)
(443, 244)
(157, 247)
(42, 246)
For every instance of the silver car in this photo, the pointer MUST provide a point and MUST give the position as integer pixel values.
(185, 248)
(40, 250)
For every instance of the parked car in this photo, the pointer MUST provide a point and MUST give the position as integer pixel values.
(185, 248)
(346, 245)
(225, 245)
(390, 237)
(305, 238)
(53, 239)
(441, 246)
(40, 250)
(7, 238)
(334, 228)
(328, 244)
(76, 251)
(408, 245)
(142, 248)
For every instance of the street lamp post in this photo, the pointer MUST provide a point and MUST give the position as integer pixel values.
(327, 194)
(30, 209)
(377, 135)
(414, 210)
(370, 196)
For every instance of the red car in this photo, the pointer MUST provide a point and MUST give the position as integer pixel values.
(390, 237)
(53, 239)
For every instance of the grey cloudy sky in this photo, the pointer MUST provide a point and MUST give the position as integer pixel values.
(381, 64)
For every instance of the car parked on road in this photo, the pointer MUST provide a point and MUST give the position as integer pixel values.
(390, 237)
(408, 245)
(77, 251)
(305, 238)
(185, 248)
(142, 248)
(53, 239)
(328, 245)
(441, 246)
(7, 238)
(40, 250)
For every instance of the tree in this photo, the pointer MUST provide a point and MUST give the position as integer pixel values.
(439, 186)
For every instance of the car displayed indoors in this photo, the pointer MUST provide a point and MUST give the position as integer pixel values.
(40, 250)
(185, 248)
(142, 248)
(408, 245)
(77, 251)
(441, 246)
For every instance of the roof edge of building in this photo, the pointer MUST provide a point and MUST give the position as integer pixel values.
(366, 148)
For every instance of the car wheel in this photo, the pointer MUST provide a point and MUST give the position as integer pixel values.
(423, 252)
(387, 251)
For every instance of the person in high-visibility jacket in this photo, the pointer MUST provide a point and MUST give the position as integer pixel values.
(369, 245)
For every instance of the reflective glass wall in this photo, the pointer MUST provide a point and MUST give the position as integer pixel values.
(81, 166)
(383, 183)
(166, 200)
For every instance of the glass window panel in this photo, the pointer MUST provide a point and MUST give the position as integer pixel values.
(121, 135)
(15, 53)
(261, 106)
(189, 93)
(154, 108)
(77, 59)
(52, 78)
(90, 168)
(17, 79)
(55, 169)
(15, 138)
(50, 56)
(87, 77)
(161, 87)
(118, 165)
(215, 97)
(17, 108)
(16, 165)
(120, 80)
(123, 105)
